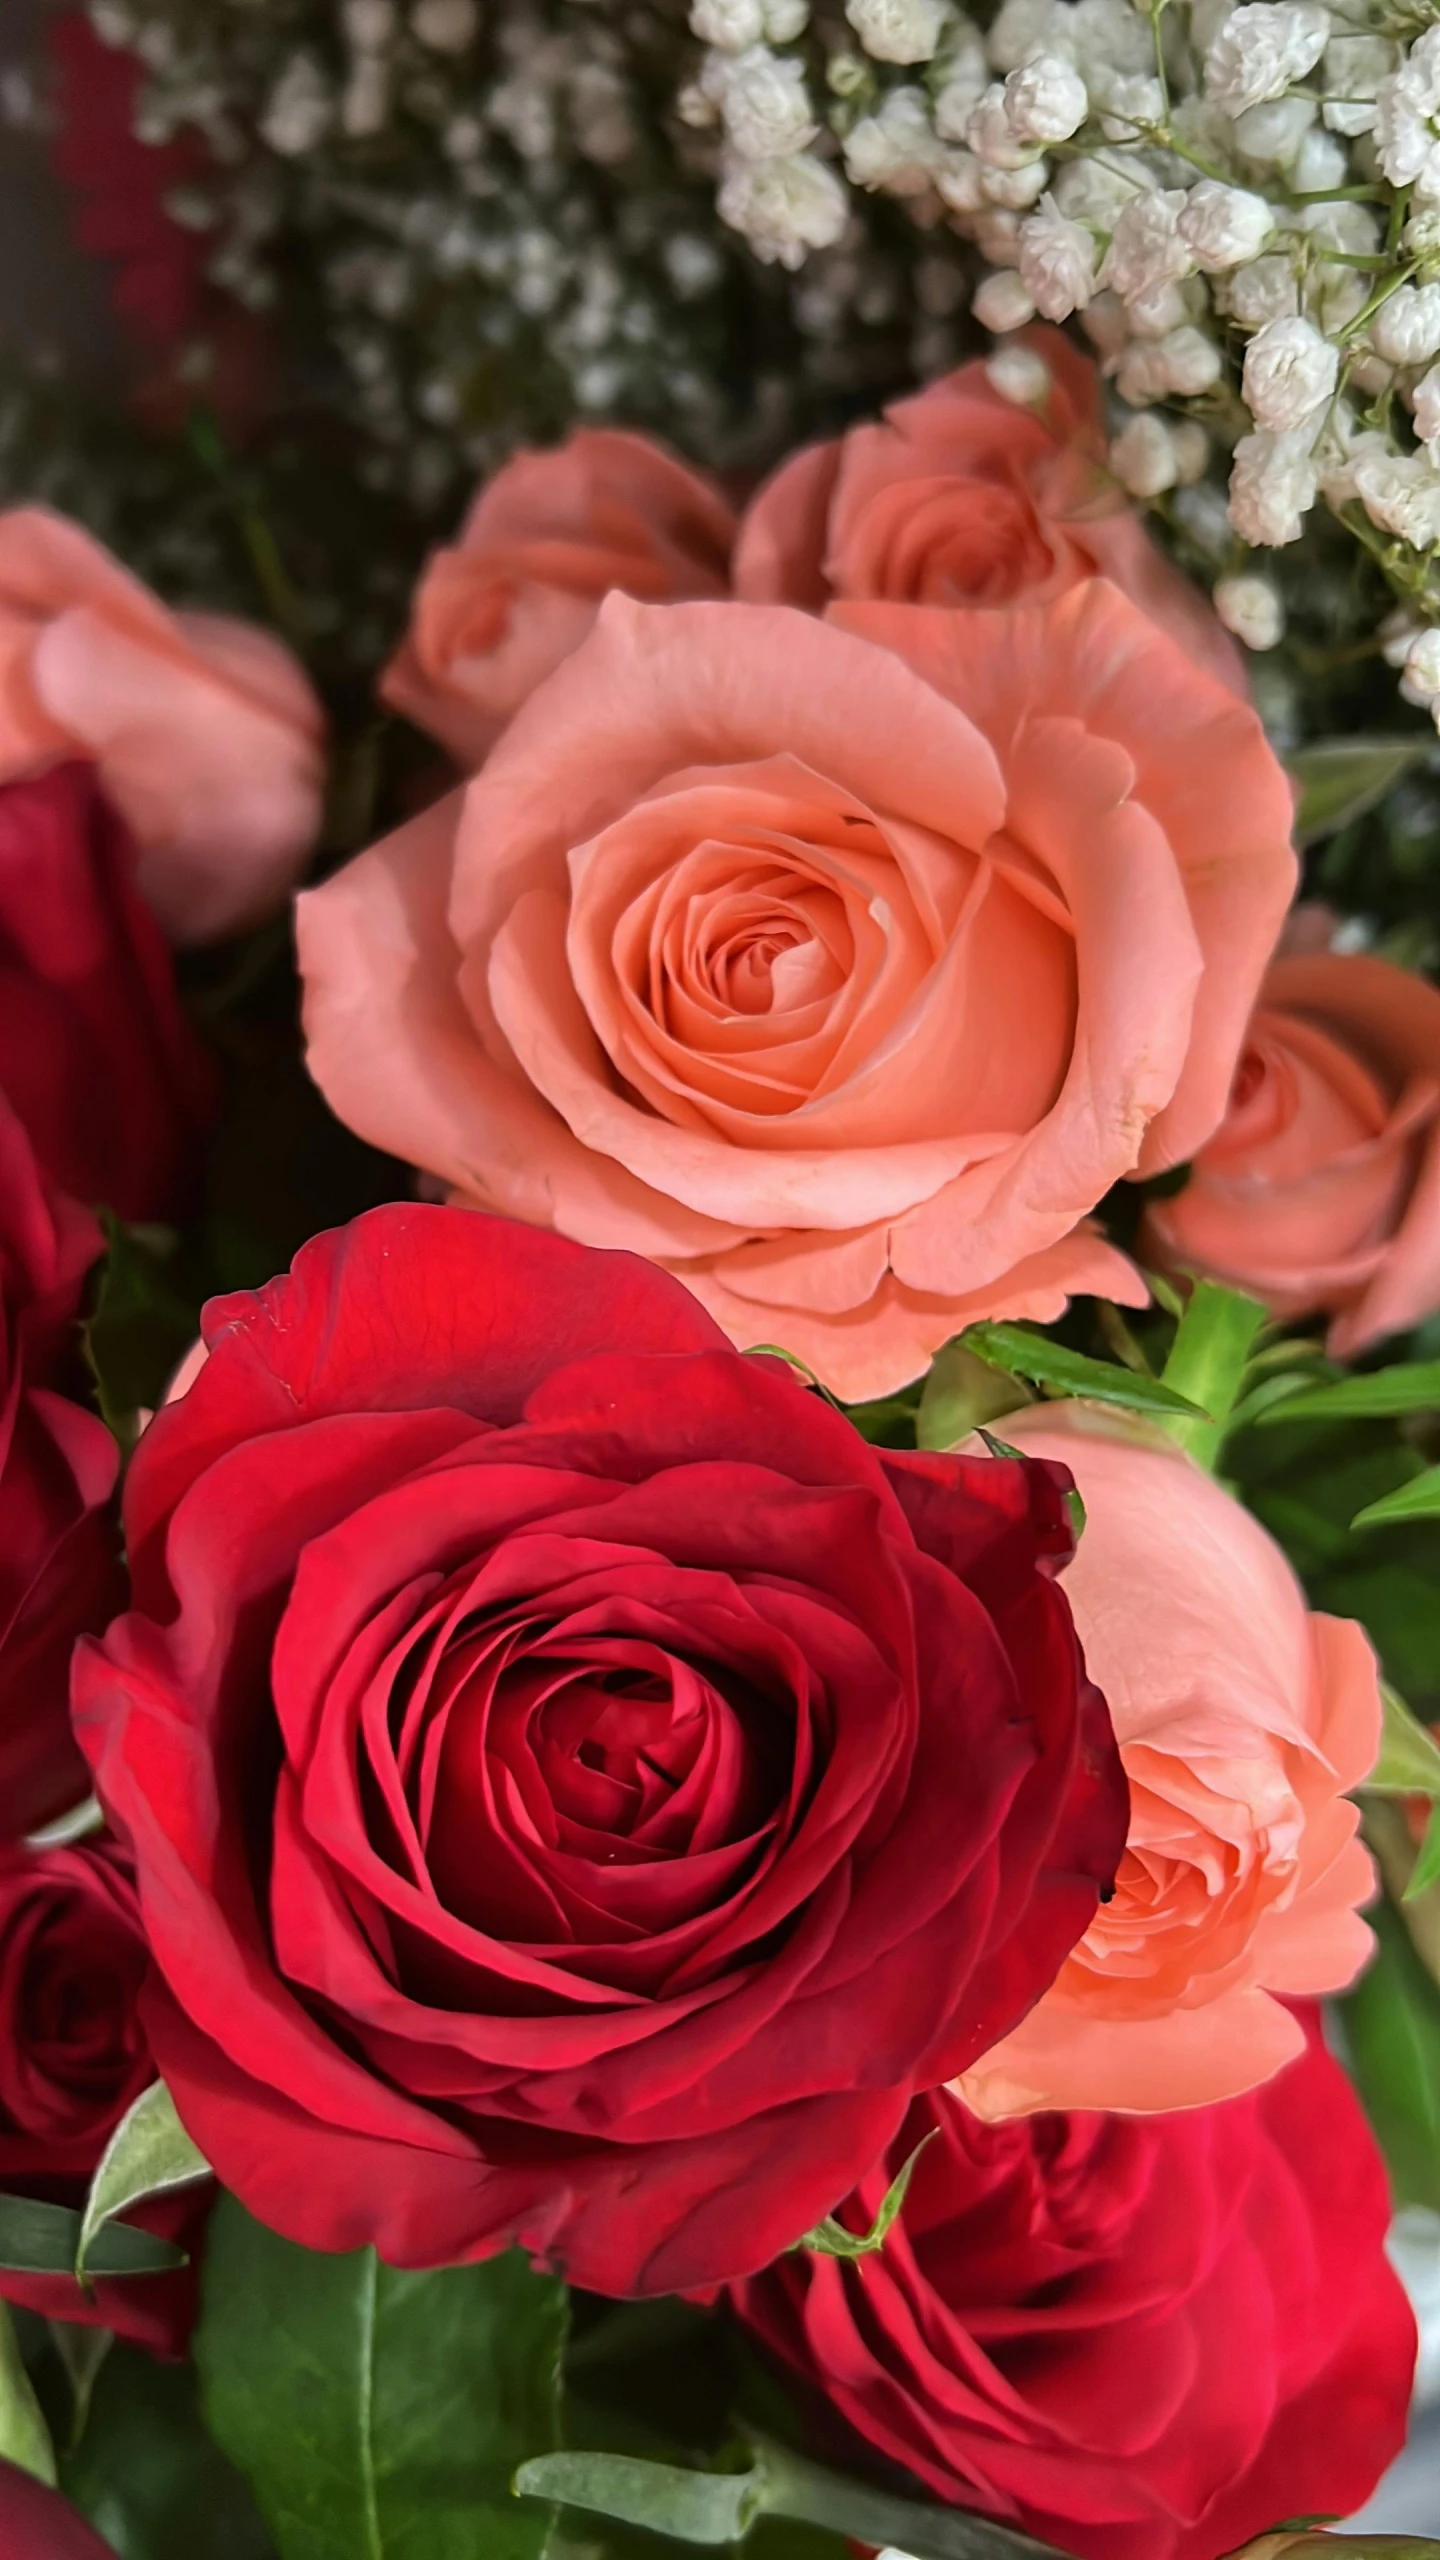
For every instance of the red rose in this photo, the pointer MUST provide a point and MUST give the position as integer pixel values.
(1138, 2337)
(73, 2058)
(95, 1054)
(59, 1562)
(36, 2523)
(579, 1789)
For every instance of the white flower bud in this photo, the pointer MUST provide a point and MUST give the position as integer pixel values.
(1155, 313)
(1145, 246)
(300, 108)
(446, 26)
(1420, 682)
(1397, 632)
(732, 26)
(1142, 457)
(1023, 27)
(765, 104)
(1107, 35)
(957, 182)
(1106, 323)
(1252, 610)
(898, 30)
(991, 135)
(1290, 371)
(1337, 472)
(1320, 162)
(1016, 189)
(1265, 291)
(1091, 191)
(1127, 100)
(1427, 406)
(1224, 226)
(1272, 487)
(1401, 494)
(1355, 65)
(784, 208)
(1261, 49)
(1191, 361)
(1019, 375)
(1406, 105)
(1003, 301)
(1406, 329)
(895, 151)
(956, 103)
(1192, 450)
(1046, 100)
(1274, 134)
(1057, 262)
(1141, 377)
(365, 102)
(996, 234)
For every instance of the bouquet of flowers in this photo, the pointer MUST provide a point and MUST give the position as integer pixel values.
(720, 1254)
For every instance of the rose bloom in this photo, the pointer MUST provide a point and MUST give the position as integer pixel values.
(1320, 1190)
(36, 2523)
(95, 1054)
(544, 543)
(1139, 2338)
(1242, 1718)
(574, 1781)
(843, 986)
(958, 496)
(73, 2059)
(206, 732)
(59, 1566)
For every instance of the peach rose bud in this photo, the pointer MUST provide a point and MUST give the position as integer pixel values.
(206, 732)
(1242, 1717)
(545, 541)
(1320, 1190)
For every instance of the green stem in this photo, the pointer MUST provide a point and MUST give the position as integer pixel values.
(801, 2491)
(1207, 1362)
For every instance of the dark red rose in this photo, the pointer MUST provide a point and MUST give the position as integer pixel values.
(73, 2058)
(1137, 2337)
(95, 1054)
(59, 1550)
(579, 1790)
(36, 2523)
(120, 184)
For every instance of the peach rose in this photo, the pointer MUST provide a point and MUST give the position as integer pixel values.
(1321, 1186)
(545, 541)
(206, 732)
(959, 496)
(842, 986)
(1241, 1717)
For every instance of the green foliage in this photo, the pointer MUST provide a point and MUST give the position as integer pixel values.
(1021, 1353)
(44, 2239)
(1392, 2034)
(1418, 1500)
(149, 2153)
(1341, 779)
(378, 2414)
(1207, 1364)
(149, 2477)
(141, 1324)
(24, 2436)
(1411, 1386)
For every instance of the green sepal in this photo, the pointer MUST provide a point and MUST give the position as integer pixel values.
(148, 2154)
(830, 2239)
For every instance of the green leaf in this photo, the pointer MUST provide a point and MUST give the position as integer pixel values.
(140, 1325)
(1427, 1865)
(1340, 778)
(1409, 1762)
(24, 2436)
(713, 2508)
(960, 1393)
(830, 2239)
(1417, 1500)
(1207, 1363)
(148, 2154)
(42, 2239)
(1391, 2023)
(709, 2507)
(1412, 1386)
(148, 2476)
(82, 2351)
(378, 2414)
(1020, 1353)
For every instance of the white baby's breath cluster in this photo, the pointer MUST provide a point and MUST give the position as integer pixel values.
(1239, 204)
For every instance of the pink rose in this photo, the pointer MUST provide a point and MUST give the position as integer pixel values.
(205, 730)
(842, 993)
(1321, 1186)
(544, 543)
(959, 496)
(1242, 1718)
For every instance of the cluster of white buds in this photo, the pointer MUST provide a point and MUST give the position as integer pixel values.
(773, 188)
(1240, 205)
